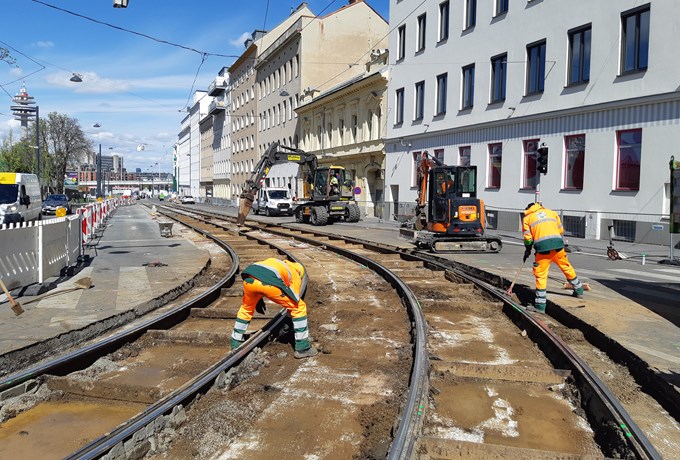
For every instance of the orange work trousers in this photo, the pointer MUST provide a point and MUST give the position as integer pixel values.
(253, 292)
(542, 265)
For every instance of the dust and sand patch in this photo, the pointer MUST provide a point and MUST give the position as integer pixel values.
(471, 329)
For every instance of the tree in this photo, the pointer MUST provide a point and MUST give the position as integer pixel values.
(5, 56)
(16, 156)
(63, 146)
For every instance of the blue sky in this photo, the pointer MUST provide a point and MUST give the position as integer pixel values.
(132, 86)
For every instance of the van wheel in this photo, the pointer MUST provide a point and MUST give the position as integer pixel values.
(267, 212)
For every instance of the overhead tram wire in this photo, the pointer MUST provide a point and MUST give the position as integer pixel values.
(133, 32)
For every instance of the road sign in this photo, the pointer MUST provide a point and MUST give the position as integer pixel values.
(357, 190)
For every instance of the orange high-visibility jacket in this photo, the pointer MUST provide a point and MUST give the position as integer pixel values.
(542, 228)
(283, 274)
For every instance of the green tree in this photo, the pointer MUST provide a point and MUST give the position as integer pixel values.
(16, 156)
(63, 146)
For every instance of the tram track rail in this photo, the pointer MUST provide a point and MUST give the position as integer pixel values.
(615, 433)
(603, 408)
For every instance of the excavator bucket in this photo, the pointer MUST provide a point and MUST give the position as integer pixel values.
(245, 204)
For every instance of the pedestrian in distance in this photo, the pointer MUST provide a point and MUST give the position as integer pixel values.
(279, 281)
(542, 230)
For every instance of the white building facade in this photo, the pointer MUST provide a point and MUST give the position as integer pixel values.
(487, 82)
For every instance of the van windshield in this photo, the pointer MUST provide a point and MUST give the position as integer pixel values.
(278, 194)
(8, 193)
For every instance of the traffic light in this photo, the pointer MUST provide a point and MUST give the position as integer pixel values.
(542, 159)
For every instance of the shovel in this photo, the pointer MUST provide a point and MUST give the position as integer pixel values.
(16, 306)
(512, 285)
(83, 283)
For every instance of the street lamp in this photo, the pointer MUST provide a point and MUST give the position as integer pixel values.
(21, 113)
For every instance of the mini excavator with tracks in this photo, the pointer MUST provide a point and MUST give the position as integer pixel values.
(449, 218)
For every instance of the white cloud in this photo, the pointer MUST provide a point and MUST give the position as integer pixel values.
(240, 40)
(92, 83)
(43, 44)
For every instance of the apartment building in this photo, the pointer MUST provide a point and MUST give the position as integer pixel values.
(244, 155)
(303, 56)
(216, 172)
(188, 148)
(346, 126)
(487, 82)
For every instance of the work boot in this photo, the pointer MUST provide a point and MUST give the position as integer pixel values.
(533, 309)
(234, 344)
(578, 293)
(308, 353)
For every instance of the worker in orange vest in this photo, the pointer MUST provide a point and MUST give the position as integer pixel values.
(542, 231)
(279, 281)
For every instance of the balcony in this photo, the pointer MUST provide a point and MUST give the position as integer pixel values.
(217, 87)
(216, 106)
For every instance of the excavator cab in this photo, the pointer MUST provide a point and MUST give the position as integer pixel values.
(332, 183)
(455, 208)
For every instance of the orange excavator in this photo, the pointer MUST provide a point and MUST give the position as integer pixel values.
(449, 218)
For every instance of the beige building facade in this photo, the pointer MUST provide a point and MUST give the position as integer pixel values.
(346, 126)
(303, 56)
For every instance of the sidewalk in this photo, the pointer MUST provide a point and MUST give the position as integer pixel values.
(133, 271)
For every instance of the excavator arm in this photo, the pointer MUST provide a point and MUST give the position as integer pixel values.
(275, 154)
(426, 163)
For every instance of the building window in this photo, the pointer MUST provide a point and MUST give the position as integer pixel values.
(355, 125)
(635, 39)
(470, 13)
(421, 32)
(495, 162)
(464, 155)
(574, 161)
(444, 21)
(439, 154)
(530, 173)
(629, 156)
(399, 104)
(468, 87)
(535, 68)
(441, 94)
(579, 55)
(419, 101)
(499, 67)
(501, 7)
(402, 43)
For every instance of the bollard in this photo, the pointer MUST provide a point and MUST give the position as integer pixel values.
(643, 258)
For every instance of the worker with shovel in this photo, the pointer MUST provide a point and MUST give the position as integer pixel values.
(280, 281)
(542, 231)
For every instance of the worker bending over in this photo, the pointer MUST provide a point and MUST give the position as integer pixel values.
(280, 281)
(542, 230)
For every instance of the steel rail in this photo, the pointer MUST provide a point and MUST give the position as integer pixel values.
(85, 356)
(200, 384)
(619, 431)
(416, 399)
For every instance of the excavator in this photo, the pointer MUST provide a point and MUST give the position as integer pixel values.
(328, 191)
(449, 218)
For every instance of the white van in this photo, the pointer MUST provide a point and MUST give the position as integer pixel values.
(273, 201)
(20, 199)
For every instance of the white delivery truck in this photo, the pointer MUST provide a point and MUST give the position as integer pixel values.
(272, 201)
(20, 199)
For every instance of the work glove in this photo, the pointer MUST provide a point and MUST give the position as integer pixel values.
(260, 307)
(527, 253)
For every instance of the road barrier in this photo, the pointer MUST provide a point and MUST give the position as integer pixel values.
(32, 252)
